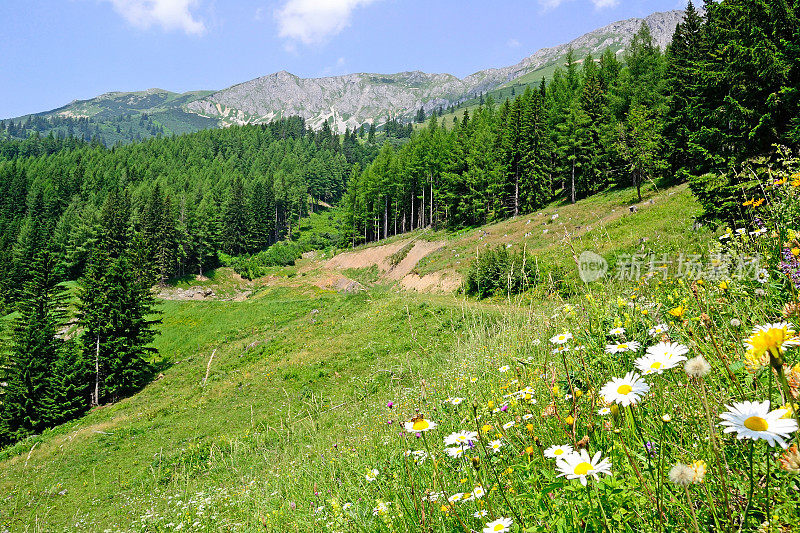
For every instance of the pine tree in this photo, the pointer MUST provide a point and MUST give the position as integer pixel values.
(39, 372)
(115, 307)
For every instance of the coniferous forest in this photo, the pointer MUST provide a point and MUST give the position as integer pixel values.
(120, 219)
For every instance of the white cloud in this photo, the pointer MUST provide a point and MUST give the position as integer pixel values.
(168, 14)
(313, 21)
(513, 43)
(548, 5)
(601, 4)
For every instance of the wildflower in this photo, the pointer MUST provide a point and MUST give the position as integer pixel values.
(461, 437)
(372, 475)
(772, 338)
(561, 338)
(697, 367)
(527, 416)
(455, 497)
(569, 421)
(486, 428)
(346, 506)
(554, 452)
(617, 332)
(681, 474)
(480, 514)
(666, 418)
(578, 465)
(495, 445)
(677, 312)
(735, 322)
(699, 467)
(662, 356)
(390, 405)
(762, 276)
(418, 424)
(505, 368)
(623, 347)
(509, 424)
(626, 390)
(454, 401)
(501, 525)
(560, 349)
(604, 411)
(455, 451)
(658, 329)
(478, 492)
(790, 460)
(382, 508)
(754, 420)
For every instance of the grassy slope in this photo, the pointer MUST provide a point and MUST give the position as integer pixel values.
(296, 370)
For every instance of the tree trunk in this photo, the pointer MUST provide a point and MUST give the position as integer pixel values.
(431, 220)
(572, 184)
(96, 397)
(516, 193)
(422, 210)
(385, 217)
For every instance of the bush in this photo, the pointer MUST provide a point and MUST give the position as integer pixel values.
(256, 265)
(499, 272)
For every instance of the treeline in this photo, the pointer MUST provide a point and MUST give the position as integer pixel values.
(725, 89)
(235, 190)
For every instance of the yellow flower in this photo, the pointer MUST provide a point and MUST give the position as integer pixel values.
(723, 285)
(758, 202)
(780, 181)
(578, 394)
(677, 312)
(699, 468)
(748, 203)
(569, 420)
(556, 390)
(490, 404)
(796, 251)
(755, 362)
(486, 428)
(772, 338)
(529, 427)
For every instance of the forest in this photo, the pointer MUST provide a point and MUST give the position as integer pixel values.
(726, 89)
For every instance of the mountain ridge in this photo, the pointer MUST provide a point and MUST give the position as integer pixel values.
(345, 101)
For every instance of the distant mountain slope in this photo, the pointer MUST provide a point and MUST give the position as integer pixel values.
(345, 101)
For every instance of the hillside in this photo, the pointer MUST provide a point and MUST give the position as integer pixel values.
(262, 381)
(346, 101)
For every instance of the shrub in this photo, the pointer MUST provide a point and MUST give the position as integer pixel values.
(256, 265)
(497, 271)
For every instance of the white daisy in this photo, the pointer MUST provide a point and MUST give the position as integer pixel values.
(560, 349)
(617, 332)
(372, 475)
(623, 347)
(454, 401)
(658, 329)
(382, 508)
(455, 451)
(461, 438)
(661, 357)
(554, 452)
(762, 276)
(495, 445)
(505, 368)
(754, 420)
(455, 497)
(478, 492)
(347, 506)
(509, 424)
(626, 390)
(481, 513)
(604, 411)
(579, 465)
(527, 416)
(561, 338)
(418, 424)
(501, 525)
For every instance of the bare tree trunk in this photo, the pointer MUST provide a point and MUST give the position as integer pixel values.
(431, 220)
(516, 193)
(412, 211)
(385, 217)
(422, 210)
(96, 398)
(572, 185)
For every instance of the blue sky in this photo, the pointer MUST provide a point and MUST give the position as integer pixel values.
(55, 51)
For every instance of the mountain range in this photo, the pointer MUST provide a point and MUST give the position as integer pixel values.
(345, 101)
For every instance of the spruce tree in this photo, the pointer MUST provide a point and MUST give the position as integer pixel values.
(116, 306)
(39, 371)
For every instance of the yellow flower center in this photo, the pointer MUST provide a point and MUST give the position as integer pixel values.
(770, 340)
(583, 468)
(756, 423)
(499, 527)
(558, 452)
(656, 365)
(624, 389)
(420, 425)
(623, 346)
